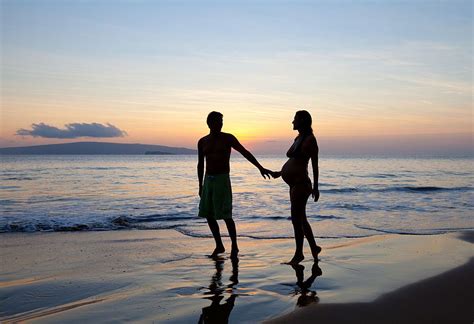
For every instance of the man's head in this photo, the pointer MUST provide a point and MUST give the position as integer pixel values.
(214, 121)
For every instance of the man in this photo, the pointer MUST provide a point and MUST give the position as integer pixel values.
(215, 189)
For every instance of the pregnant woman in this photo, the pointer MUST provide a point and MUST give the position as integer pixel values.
(295, 173)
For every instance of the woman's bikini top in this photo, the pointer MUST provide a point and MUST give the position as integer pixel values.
(296, 150)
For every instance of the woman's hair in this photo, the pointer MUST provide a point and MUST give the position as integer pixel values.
(305, 121)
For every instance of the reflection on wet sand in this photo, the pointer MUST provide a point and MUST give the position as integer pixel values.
(306, 295)
(217, 312)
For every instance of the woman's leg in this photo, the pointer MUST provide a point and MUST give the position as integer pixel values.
(298, 197)
(308, 232)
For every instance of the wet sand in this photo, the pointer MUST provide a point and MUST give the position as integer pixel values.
(164, 276)
(445, 298)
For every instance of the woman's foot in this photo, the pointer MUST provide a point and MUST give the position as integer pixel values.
(234, 252)
(316, 253)
(297, 258)
(217, 250)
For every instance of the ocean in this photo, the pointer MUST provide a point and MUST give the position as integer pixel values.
(360, 197)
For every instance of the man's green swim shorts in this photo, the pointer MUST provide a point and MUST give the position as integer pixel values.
(216, 197)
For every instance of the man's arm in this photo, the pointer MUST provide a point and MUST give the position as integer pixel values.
(200, 166)
(246, 154)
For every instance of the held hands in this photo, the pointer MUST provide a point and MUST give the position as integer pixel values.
(275, 174)
(265, 173)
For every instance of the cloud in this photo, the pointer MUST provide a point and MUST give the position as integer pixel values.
(73, 130)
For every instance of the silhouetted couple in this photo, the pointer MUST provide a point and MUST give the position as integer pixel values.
(215, 188)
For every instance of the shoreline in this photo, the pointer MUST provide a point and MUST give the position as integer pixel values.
(164, 276)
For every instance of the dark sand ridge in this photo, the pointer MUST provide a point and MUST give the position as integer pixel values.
(445, 298)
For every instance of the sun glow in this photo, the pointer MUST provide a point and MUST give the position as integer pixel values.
(409, 81)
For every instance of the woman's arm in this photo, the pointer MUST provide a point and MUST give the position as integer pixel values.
(312, 148)
(314, 163)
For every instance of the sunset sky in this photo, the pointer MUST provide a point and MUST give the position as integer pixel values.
(377, 76)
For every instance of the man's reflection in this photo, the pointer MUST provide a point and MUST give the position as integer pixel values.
(217, 312)
(307, 296)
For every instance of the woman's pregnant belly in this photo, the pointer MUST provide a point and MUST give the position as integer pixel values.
(294, 171)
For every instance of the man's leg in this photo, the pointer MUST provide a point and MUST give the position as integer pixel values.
(214, 227)
(233, 236)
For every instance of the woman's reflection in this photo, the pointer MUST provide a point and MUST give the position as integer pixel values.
(217, 312)
(306, 295)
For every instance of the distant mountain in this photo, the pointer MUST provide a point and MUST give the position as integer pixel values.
(95, 148)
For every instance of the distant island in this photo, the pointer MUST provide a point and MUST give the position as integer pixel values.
(157, 153)
(95, 148)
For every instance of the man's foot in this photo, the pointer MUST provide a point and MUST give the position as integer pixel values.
(217, 250)
(316, 253)
(234, 253)
(316, 270)
(295, 260)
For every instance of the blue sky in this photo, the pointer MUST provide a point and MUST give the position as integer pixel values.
(362, 68)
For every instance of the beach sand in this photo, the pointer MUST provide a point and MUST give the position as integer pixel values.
(165, 276)
(444, 298)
